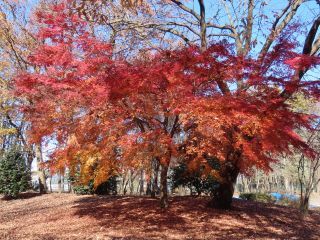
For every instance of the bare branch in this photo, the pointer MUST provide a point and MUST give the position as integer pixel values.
(308, 45)
(186, 9)
(316, 47)
(277, 28)
(248, 34)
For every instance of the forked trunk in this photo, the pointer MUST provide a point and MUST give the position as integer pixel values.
(304, 205)
(164, 187)
(222, 198)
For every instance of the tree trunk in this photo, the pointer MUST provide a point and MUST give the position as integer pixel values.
(270, 184)
(131, 187)
(245, 184)
(164, 186)
(286, 184)
(304, 204)
(257, 178)
(141, 184)
(155, 188)
(125, 187)
(304, 201)
(148, 190)
(222, 197)
(62, 183)
(191, 193)
(41, 173)
(50, 183)
(70, 188)
(59, 183)
(30, 157)
(124, 184)
(203, 25)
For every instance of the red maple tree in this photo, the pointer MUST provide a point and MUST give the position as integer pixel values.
(108, 113)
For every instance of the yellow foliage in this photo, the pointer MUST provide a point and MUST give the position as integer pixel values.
(7, 131)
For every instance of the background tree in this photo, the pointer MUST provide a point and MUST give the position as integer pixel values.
(308, 172)
(16, 43)
(14, 174)
(296, 174)
(181, 176)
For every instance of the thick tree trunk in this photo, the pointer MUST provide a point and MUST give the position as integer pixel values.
(222, 197)
(164, 187)
(41, 173)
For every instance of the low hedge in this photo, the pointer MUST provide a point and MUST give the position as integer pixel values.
(259, 197)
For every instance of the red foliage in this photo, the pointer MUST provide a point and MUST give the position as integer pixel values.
(302, 61)
(93, 104)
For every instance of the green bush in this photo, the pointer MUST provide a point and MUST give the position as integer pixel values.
(106, 188)
(14, 174)
(286, 201)
(84, 189)
(259, 197)
(182, 176)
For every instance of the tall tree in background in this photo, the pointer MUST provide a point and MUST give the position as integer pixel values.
(307, 170)
(14, 174)
(16, 43)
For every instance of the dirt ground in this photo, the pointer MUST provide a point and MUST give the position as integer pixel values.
(66, 216)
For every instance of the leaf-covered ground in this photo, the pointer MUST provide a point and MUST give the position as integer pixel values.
(66, 216)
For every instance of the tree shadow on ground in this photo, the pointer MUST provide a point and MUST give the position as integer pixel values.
(189, 218)
(23, 195)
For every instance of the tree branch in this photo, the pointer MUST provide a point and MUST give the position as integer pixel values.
(203, 25)
(186, 9)
(248, 34)
(277, 29)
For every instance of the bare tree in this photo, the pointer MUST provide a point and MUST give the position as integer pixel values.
(309, 171)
